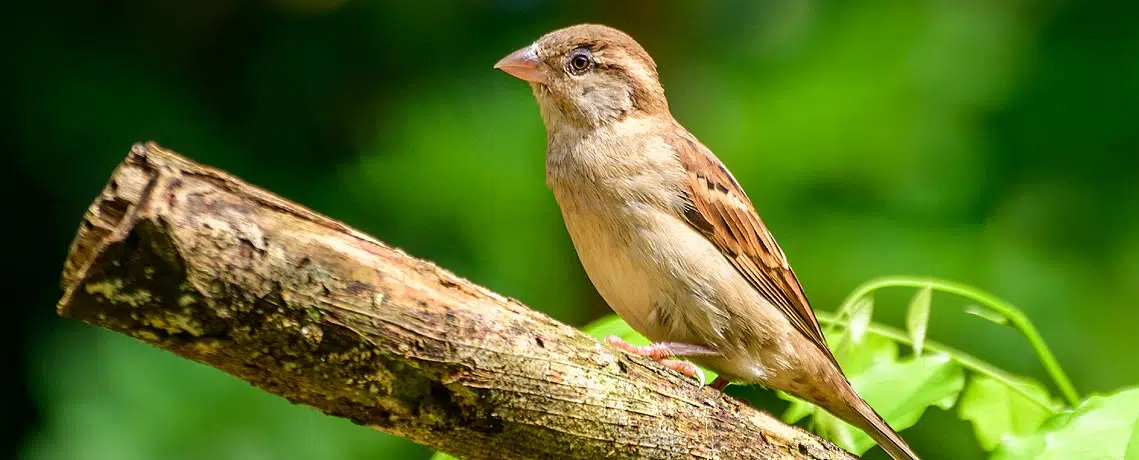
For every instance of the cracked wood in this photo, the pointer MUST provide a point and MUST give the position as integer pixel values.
(197, 262)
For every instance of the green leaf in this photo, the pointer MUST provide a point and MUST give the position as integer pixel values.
(917, 317)
(997, 411)
(1132, 451)
(1101, 427)
(860, 316)
(442, 456)
(986, 313)
(857, 357)
(798, 409)
(900, 391)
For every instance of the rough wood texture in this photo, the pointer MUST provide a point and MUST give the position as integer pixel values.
(194, 261)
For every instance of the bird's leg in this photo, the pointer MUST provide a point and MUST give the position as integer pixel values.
(662, 351)
(720, 383)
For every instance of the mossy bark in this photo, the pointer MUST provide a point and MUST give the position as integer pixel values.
(197, 262)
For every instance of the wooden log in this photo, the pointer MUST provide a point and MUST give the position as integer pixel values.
(197, 262)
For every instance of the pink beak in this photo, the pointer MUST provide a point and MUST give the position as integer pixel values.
(523, 64)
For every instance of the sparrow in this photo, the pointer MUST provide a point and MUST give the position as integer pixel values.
(667, 235)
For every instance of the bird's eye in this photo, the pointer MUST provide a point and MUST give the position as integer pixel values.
(579, 62)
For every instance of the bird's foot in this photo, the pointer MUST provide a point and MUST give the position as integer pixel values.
(684, 367)
(662, 351)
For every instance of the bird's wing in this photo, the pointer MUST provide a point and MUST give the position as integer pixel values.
(717, 206)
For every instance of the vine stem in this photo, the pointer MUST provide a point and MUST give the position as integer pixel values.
(1016, 317)
(964, 359)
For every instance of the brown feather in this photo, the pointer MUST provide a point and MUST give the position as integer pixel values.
(719, 208)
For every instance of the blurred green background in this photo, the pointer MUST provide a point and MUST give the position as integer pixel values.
(993, 143)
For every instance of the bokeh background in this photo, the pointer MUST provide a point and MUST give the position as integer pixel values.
(993, 143)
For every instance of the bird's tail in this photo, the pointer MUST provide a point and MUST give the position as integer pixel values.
(857, 412)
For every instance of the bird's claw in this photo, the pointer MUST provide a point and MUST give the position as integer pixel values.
(660, 353)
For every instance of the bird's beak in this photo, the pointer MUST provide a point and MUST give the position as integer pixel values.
(523, 64)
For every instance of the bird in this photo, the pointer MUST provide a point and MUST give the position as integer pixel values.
(667, 235)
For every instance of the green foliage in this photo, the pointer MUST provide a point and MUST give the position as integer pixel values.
(853, 305)
(858, 357)
(1102, 427)
(917, 317)
(997, 411)
(986, 314)
(860, 315)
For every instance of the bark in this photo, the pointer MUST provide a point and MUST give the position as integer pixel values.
(199, 263)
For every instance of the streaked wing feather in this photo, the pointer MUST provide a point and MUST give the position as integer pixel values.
(719, 208)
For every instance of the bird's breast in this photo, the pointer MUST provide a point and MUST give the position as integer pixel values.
(649, 265)
(616, 246)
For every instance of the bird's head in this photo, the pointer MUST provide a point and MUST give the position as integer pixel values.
(588, 75)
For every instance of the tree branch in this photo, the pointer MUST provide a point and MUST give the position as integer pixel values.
(197, 262)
